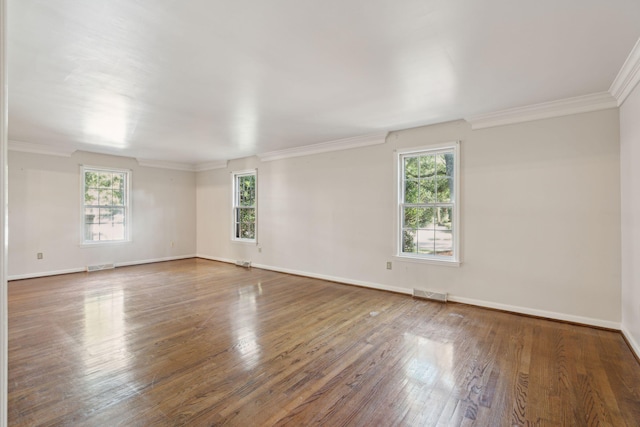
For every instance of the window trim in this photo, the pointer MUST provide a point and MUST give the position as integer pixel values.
(455, 260)
(234, 177)
(128, 216)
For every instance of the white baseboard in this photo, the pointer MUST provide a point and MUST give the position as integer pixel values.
(590, 321)
(317, 276)
(635, 347)
(151, 261)
(46, 273)
(215, 258)
(370, 285)
(83, 269)
(479, 303)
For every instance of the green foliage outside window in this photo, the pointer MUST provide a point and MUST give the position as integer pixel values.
(104, 205)
(245, 210)
(427, 210)
(104, 188)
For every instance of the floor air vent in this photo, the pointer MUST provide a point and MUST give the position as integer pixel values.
(245, 264)
(430, 295)
(99, 267)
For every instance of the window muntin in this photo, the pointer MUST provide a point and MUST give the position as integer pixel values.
(245, 206)
(428, 204)
(105, 205)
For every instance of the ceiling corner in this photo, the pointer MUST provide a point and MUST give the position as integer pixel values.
(628, 76)
(545, 110)
(324, 147)
(31, 147)
(218, 164)
(163, 164)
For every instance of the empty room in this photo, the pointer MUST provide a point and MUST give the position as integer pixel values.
(408, 213)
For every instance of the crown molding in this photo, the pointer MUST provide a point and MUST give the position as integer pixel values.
(165, 164)
(51, 150)
(628, 76)
(218, 164)
(189, 167)
(545, 110)
(324, 147)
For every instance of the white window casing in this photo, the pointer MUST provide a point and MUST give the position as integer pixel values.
(428, 204)
(244, 204)
(105, 205)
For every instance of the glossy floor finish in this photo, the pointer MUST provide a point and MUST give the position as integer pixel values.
(202, 343)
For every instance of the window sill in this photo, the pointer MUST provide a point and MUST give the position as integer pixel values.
(246, 242)
(432, 261)
(104, 243)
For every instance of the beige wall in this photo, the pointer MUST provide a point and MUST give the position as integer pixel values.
(630, 173)
(44, 214)
(540, 216)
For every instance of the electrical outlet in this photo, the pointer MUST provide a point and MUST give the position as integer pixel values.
(259, 249)
(172, 243)
(39, 255)
(388, 265)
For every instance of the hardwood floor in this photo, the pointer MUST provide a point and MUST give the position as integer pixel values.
(202, 343)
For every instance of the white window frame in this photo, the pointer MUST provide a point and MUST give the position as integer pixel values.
(127, 205)
(235, 204)
(455, 259)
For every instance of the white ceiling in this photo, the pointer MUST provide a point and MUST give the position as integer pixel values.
(203, 80)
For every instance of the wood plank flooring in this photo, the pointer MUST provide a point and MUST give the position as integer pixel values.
(202, 343)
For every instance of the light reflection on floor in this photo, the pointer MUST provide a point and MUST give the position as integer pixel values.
(245, 321)
(429, 371)
(104, 335)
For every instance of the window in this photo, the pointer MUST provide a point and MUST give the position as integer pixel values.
(428, 204)
(245, 205)
(105, 205)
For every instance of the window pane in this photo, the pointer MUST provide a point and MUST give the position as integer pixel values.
(118, 181)
(441, 165)
(246, 190)
(444, 189)
(427, 192)
(104, 179)
(117, 215)
(410, 217)
(444, 217)
(91, 232)
(410, 167)
(409, 240)
(427, 166)
(246, 215)
(411, 192)
(90, 215)
(444, 232)
(445, 165)
(425, 217)
(244, 230)
(118, 197)
(245, 223)
(106, 197)
(417, 217)
(111, 232)
(91, 197)
(247, 231)
(106, 216)
(426, 241)
(90, 179)
(251, 232)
